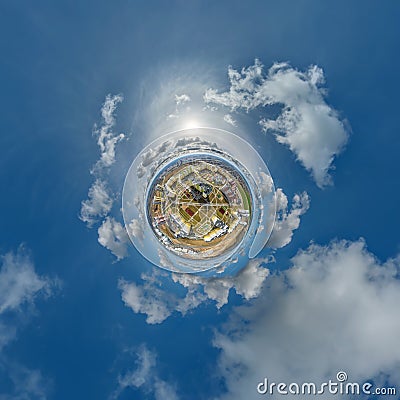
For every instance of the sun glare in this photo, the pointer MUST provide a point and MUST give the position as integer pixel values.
(191, 123)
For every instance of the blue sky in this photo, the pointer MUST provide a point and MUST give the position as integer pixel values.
(66, 331)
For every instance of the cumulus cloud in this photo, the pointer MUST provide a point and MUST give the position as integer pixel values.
(148, 299)
(247, 283)
(146, 377)
(229, 119)
(311, 128)
(113, 236)
(97, 205)
(335, 309)
(153, 300)
(287, 220)
(158, 304)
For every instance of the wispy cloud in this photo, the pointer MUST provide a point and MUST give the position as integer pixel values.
(229, 119)
(335, 309)
(20, 287)
(106, 137)
(100, 200)
(26, 384)
(307, 124)
(19, 283)
(287, 219)
(97, 207)
(146, 377)
(181, 101)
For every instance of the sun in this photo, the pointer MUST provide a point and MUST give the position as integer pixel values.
(191, 124)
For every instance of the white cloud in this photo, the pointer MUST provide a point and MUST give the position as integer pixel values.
(113, 236)
(229, 120)
(164, 391)
(287, 221)
(151, 155)
(97, 205)
(145, 364)
(27, 384)
(307, 124)
(154, 301)
(165, 261)
(265, 183)
(106, 138)
(135, 228)
(20, 287)
(148, 299)
(215, 289)
(335, 309)
(158, 304)
(19, 283)
(146, 378)
(190, 139)
(247, 283)
(99, 202)
(180, 101)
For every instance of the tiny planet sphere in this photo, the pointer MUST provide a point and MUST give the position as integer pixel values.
(199, 206)
(199, 200)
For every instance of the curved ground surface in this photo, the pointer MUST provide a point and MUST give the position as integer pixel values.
(199, 206)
